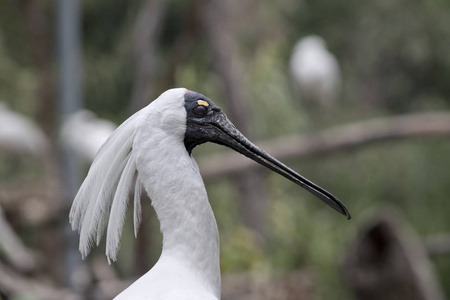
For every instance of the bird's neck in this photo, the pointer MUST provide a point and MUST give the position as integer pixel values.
(188, 226)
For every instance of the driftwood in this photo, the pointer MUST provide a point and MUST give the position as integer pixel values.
(337, 139)
(387, 261)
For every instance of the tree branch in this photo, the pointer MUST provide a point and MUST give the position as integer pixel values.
(336, 139)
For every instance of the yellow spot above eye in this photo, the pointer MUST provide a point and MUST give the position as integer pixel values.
(202, 103)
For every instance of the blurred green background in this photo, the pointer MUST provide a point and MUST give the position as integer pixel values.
(394, 60)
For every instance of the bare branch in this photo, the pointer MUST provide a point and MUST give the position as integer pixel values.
(336, 139)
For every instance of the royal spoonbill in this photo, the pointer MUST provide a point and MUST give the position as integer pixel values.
(315, 71)
(152, 150)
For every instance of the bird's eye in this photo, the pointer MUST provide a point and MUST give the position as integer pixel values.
(200, 110)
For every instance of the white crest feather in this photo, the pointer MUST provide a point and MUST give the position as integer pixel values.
(103, 196)
(118, 208)
(137, 213)
(105, 189)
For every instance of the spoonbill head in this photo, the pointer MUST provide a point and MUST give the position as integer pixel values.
(154, 147)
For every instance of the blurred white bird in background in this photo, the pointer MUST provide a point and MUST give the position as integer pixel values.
(315, 72)
(84, 133)
(20, 135)
(152, 150)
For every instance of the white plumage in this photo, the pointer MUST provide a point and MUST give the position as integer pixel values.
(84, 133)
(152, 149)
(19, 134)
(315, 71)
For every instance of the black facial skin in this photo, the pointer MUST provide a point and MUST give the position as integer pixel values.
(199, 128)
(210, 124)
